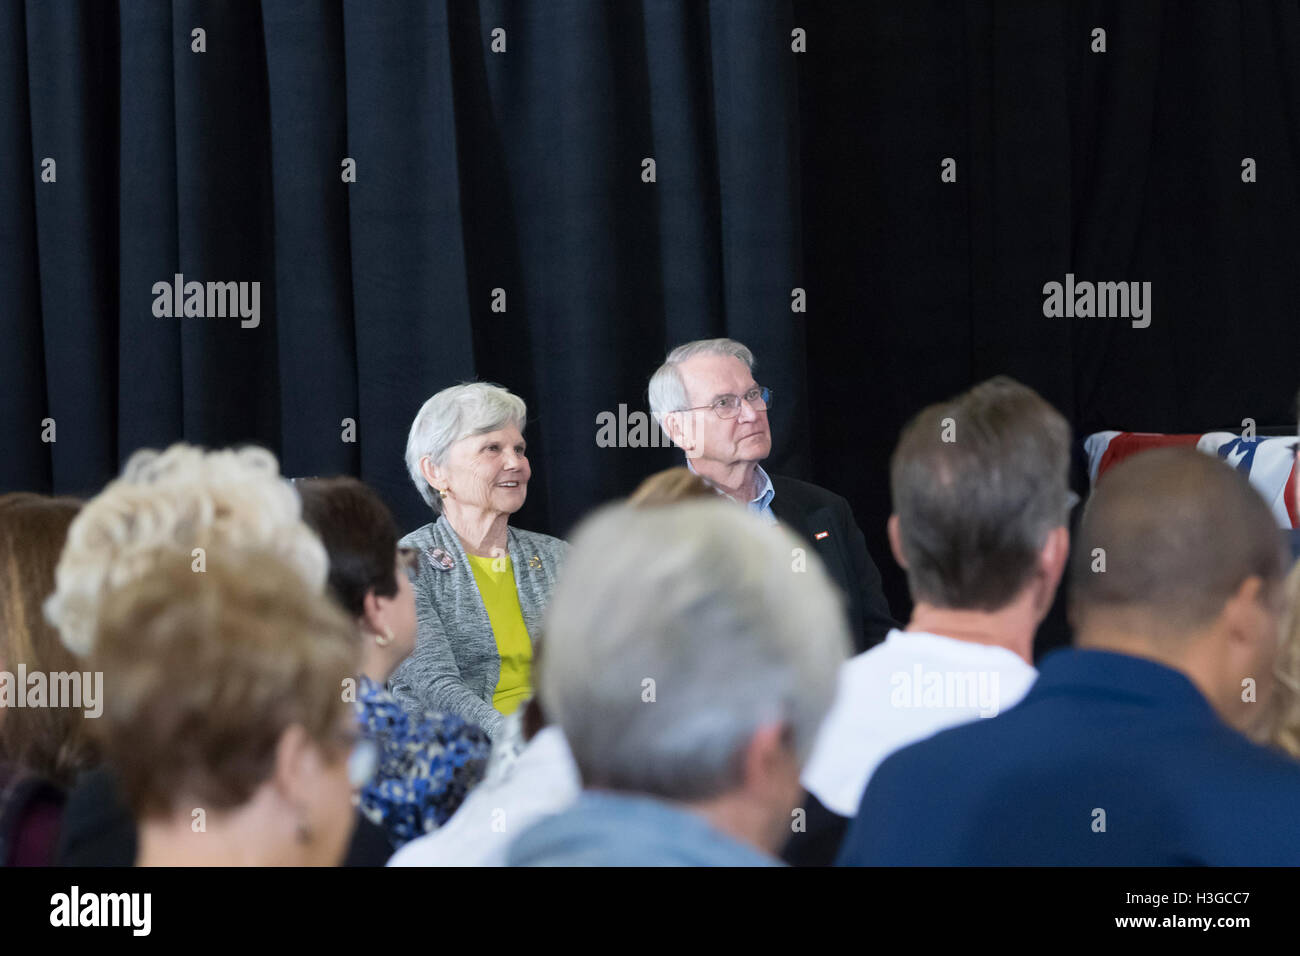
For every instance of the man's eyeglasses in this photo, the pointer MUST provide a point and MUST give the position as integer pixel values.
(759, 399)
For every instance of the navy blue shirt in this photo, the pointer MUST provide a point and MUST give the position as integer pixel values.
(1108, 760)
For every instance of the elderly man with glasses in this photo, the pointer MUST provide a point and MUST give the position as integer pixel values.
(705, 398)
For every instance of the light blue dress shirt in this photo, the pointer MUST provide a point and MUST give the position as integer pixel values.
(762, 503)
(622, 829)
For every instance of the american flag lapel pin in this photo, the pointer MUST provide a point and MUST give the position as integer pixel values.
(821, 534)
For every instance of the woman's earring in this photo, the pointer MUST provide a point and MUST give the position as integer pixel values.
(442, 492)
(383, 640)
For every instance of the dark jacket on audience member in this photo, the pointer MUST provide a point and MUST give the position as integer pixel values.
(812, 511)
(818, 842)
(1109, 760)
(31, 809)
(98, 829)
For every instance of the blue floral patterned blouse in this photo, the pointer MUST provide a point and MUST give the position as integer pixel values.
(427, 764)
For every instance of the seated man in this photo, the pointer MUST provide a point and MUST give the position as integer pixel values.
(688, 669)
(705, 398)
(1128, 749)
(980, 491)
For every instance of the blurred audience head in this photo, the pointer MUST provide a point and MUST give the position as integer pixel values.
(182, 501)
(224, 703)
(1297, 461)
(466, 450)
(369, 575)
(1279, 723)
(669, 487)
(49, 741)
(687, 659)
(981, 498)
(1179, 559)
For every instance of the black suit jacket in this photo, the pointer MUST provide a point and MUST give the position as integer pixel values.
(810, 511)
(818, 843)
(99, 830)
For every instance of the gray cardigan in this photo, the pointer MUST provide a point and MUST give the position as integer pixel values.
(456, 665)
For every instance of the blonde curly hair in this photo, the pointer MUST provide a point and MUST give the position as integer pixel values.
(1280, 723)
(162, 507)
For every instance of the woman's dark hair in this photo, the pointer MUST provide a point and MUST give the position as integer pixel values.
(50, 741)
(359, 533)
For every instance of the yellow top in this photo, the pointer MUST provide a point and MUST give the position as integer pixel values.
(495, 578)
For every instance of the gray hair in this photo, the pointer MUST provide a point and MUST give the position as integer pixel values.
(675, 633)
(471, 408)
(978, 482)
(667, 390)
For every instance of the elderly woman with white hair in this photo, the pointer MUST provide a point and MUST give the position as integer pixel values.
(482, 585)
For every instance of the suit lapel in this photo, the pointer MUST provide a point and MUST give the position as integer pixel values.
(787, 511)
(525, 583)
(808, 524)
(811, 525)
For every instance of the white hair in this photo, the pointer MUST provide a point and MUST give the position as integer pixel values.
(702, 599)
(667, 390)
(162, 507)
(472, 408)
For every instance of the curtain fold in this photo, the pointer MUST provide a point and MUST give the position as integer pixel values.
(501, 225)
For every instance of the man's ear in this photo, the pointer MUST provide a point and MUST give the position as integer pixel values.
(1055, 554)
(1240, 613)
(675, 426)
(768, 756)
(896, 541)
(1052, 560)
(672, 427)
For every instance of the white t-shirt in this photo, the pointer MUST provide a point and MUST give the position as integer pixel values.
(901, 691)
(541, 781)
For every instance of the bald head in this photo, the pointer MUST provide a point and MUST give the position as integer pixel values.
(1179, 532)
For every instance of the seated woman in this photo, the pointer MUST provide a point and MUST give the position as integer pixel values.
(223, 715)
(482, 586)
(428, 762)
(41, 748)
(531, 773)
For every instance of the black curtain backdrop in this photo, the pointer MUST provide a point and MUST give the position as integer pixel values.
(522, 171)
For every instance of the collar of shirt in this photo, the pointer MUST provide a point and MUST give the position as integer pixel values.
(607, 828)
(762, 503)
(1087, 672)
